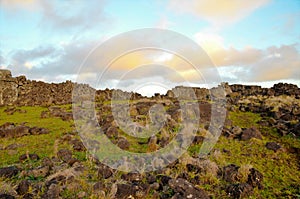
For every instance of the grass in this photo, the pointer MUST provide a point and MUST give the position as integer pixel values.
(244, 119)
(280, 169)
(42, 145)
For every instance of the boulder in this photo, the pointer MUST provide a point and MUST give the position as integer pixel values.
(39, 172)
(255, 178)
(296, 129)
(6, 196)
(249, 133)
(132, 177)
(9, 172)
(123, 143)
(273, 146)
(77, 145)
(24, 157)
(23, 187)
(125, 191)
(184, 189)
(241, 190)
(230, 173)
(65, 155)
(104, 172)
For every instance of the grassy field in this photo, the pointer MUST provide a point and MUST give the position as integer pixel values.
(280, 169)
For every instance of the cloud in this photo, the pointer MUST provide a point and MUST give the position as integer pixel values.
(54, 63)
(47, 62)
(80, 16)
(209, 41)
(21, 56)
(259, 65)
(164, 23)
(279, 63)
(14, 5)
(217, 12)
(2, 60)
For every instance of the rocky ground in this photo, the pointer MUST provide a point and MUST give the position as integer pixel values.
(256, 156)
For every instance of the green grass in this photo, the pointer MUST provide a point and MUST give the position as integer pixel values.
(244, 119)
(43, 145)
(280, 170)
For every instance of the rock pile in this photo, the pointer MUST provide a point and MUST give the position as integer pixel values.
(11, 130)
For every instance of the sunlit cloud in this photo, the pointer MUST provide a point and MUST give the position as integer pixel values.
(218, 12)
(28, 65)
(19, 4)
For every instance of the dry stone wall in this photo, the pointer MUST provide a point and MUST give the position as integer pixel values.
(20, 91)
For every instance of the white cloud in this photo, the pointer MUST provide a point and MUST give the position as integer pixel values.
(164, 23)
(218, 12)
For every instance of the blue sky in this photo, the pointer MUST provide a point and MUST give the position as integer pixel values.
(250, 42)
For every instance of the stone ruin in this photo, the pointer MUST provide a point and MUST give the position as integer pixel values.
(19, 91)
(8, 88)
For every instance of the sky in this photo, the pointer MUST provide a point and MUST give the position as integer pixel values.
(247, 42)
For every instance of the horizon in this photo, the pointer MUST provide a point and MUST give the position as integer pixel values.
(250, 43)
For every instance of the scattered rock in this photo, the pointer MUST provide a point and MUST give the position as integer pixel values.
(296, 129)
(10, 130)
(198, 139)
(232, 133)
(81, 194)
(6, 196)
(24, 157)
(45, 114)
(28, 196)
(255, 178)
(164, 180)
(152, 143)
(249, 133)
(38, 131)
(21, 131)
(65, 155)
(12, 110)
(104, 172)
(23, 187)
(132, 177)
(98, 186)
(112, 132)
(241, 190)
(273, 146)
(9, 172)
(230, 173)
(53, 192)
(77, 145)
(185, 189)
(124, 191)
(47, 162)
(123, 143)
(155, 186)
(39, 172)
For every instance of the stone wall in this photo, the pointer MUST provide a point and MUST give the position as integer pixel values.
(20, 91)
(8, 88)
